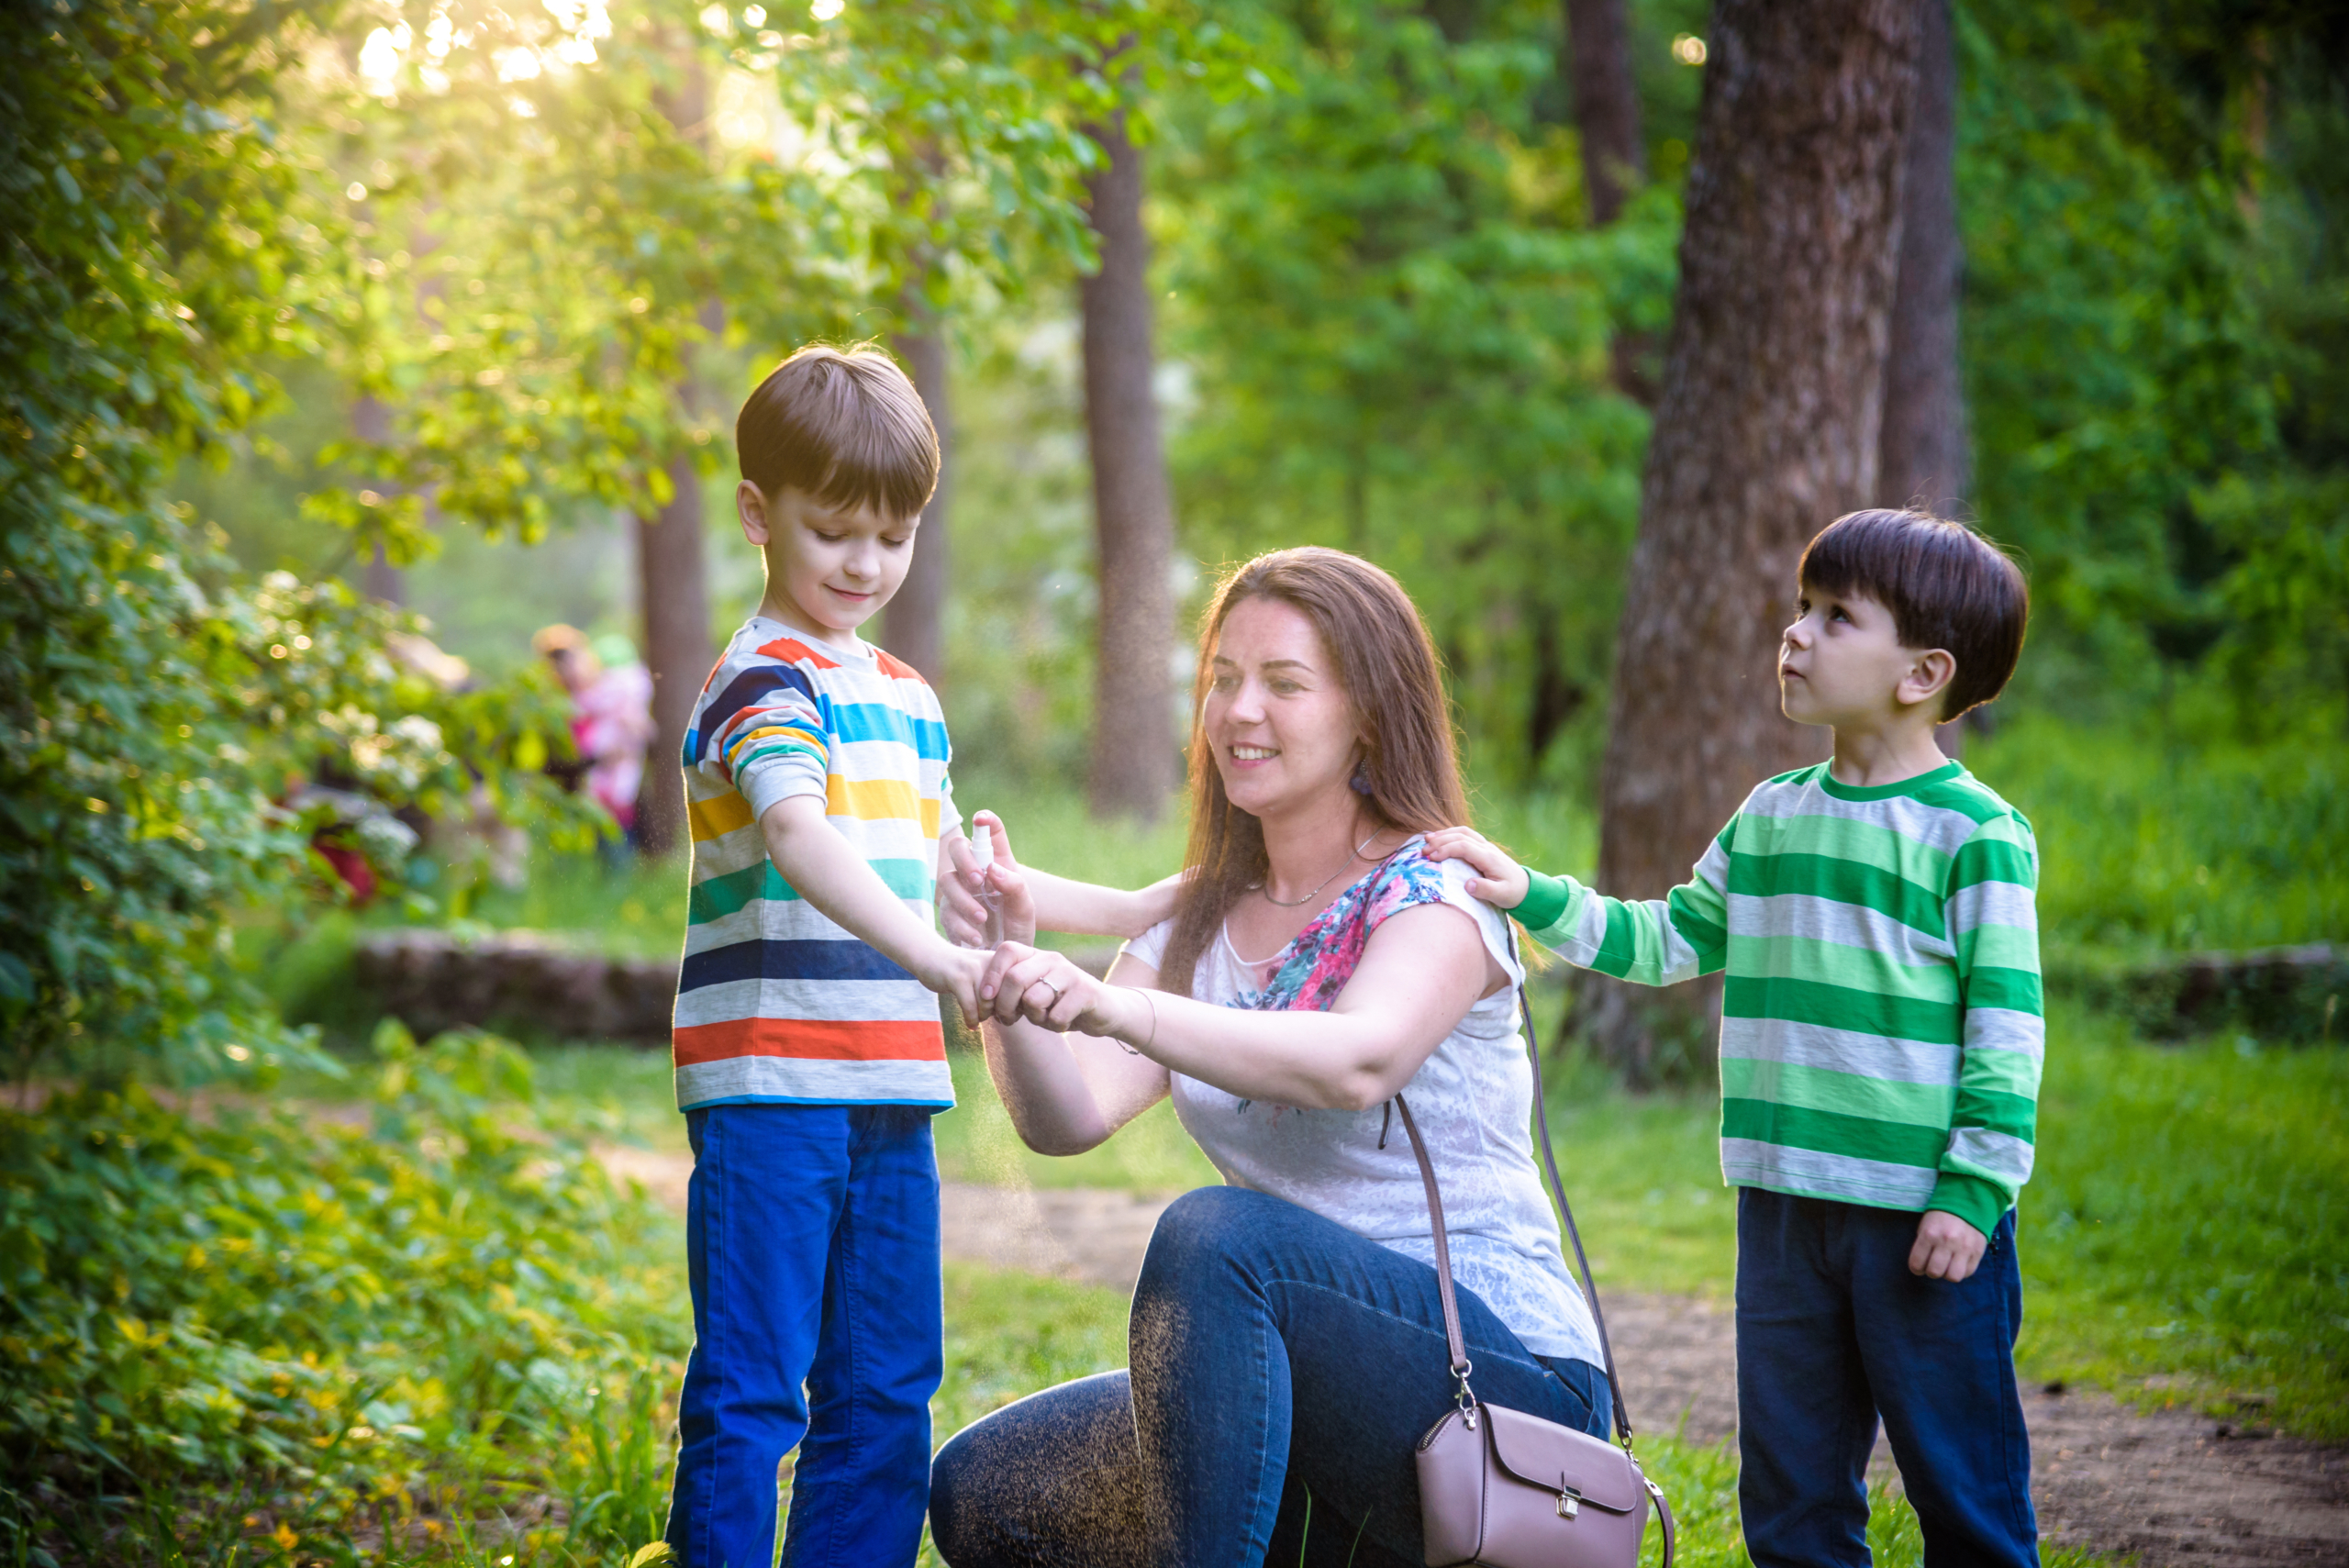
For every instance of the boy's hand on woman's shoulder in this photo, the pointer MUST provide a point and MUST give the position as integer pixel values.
(1500, 881)
(1947, 1247)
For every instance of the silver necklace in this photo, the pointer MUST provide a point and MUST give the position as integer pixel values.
(1300, 903)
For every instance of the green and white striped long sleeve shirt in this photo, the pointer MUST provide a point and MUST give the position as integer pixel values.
(1882, 1029)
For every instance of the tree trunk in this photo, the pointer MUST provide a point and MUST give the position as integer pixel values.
(1922, 454)
(1765, 432)
(914, 625)
(1607, 105)
(1134, 747)
(672, 580)
(1924, 457)
(1614, 153)
(678, 649)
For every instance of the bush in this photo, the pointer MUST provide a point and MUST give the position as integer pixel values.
(324, 1323)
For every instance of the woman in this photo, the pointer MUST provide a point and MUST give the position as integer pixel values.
(1287, 1339)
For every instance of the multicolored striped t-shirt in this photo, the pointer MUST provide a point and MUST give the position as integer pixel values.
(774, 1001)
(1881, 1023)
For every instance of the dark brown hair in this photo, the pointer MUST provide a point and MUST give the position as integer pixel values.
(1387, 667)
(845, 426)
(1946, 587)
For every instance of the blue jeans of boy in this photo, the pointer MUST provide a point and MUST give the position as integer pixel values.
(1283, 1367)
(811, 1239)
(1832, 1331)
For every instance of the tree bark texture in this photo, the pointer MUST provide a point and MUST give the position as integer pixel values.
(1766, 431)
(914, 625)
(1924, 456)
(1134, 745)
(1607, 105)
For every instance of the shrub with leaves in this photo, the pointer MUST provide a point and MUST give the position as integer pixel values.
(328, 1322)
(159, 242)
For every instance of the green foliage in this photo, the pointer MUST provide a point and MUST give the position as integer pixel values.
(327, 1322)
(153, 712)
(1400, 327)
(2153, 315)
(2170, 838)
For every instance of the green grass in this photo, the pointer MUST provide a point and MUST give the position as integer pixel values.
(2186, 1236)
(1151, 1154)
(2173, 839)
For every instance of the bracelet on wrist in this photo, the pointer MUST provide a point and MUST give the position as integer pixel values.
(1152, 1003)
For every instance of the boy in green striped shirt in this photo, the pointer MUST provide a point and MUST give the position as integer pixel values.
(1881, 1041)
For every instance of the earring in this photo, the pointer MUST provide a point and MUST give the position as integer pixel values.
(1360, 783)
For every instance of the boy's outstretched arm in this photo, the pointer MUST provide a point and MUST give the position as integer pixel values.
(823, 868)
(1654, 941)
(1992, 915)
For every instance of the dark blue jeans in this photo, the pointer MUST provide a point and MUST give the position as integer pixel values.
(811, 1239)
(1281, 1363)
(1834, 1329)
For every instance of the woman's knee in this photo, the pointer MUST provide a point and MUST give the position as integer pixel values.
(951, 1514)
(1205, 1228)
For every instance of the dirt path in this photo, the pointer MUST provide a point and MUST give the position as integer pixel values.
(2179, 1489)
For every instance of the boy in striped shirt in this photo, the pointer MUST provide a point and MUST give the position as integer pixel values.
(809, 1058)
(1881, 1041)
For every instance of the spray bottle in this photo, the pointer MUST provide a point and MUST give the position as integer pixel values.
(982, 852)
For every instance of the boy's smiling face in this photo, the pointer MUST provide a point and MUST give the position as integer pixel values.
(1842, 663)
(828, 570)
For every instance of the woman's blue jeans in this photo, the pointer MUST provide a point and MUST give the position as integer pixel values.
(1281, 1363)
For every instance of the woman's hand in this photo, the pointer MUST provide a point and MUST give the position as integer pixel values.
(1048, 989)
(960, 908)
(1501, 882)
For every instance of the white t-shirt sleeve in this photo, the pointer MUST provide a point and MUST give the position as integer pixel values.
(1491, 924)
(1150, 948)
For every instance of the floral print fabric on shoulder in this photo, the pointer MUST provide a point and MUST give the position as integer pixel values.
(1321, 959)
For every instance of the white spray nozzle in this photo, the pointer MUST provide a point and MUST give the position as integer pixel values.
(983, 845)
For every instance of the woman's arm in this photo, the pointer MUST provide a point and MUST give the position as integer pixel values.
(1067, 1092)
(1059, 904)
(1419, 974)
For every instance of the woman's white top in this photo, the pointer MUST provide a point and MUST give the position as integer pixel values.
(1473, 1100)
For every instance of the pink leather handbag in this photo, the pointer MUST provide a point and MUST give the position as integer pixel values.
(1508, 1490)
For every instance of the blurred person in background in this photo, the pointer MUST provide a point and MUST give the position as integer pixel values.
(611, 713)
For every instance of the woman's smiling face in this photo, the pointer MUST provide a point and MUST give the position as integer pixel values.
(1281, 723)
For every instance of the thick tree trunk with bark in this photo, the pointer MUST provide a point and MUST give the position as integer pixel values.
(1765, 432)
(914, 625)
(1607, 105)
(1133, 761)
(1924, 456)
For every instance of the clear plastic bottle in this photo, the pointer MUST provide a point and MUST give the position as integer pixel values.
(982, 852)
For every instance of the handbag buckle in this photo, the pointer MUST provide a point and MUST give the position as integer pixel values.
(1569, 1501)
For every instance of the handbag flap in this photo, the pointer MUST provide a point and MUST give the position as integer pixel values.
(1545, 1454)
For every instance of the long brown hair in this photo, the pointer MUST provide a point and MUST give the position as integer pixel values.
(1387, 666)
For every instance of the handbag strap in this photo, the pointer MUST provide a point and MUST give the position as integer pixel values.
(1455, 1343)
(1574, 1234)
